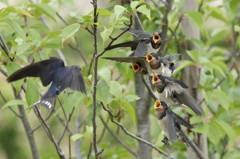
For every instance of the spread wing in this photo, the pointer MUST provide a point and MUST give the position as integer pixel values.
(171, 127)
(71, 77)
(44, 69)
(132, 44)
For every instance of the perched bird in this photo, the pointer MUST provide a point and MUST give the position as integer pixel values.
(170, 122)
(173, 92)
(154, 39)
(52, 71)
(150, 63)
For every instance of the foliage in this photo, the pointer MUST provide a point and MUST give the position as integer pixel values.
(34, 32)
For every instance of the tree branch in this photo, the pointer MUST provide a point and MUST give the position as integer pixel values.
(118, 139)
(132, 135)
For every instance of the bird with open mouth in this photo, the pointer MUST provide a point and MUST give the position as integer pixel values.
(173, 92)
(55, 72)
(170, 122)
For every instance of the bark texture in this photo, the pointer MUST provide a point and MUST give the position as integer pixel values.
(191, 74)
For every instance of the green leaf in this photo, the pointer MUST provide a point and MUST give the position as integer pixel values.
(70, 30)
(194, 54)
(106, 33)
(183, 65)
(130, 98)
(134, 4)
(14, 102)
(214, 133)
(195, 17)
(102, 91)
(12, 67)
(45, 9)
(227, 128)
(119, 11)
(101, 13)
(32, 92)
(129, 109)
(76, 137)
(221, 98)
(16, 27)
(115, 89)
(144, 10)
(218, 14)
(105, 74)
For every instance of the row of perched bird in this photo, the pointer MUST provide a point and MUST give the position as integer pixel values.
(159, 70)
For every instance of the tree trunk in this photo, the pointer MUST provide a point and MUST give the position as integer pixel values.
(191, 74)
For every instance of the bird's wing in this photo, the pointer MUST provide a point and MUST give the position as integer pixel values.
(185, 98)
(170, 57)
(72, 78)
(171, 127)
(141, 50)
(43, 69)
(130, 59)
(179, 120)
(182, 84)
(173, 87)
(140, 35)
(132, 44)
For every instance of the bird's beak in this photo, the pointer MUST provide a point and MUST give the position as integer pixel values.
(157, 104)
(149, 57)
(155, 79)
(156, 38)
(136, 67)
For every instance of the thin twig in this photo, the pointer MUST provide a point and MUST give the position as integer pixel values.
(89, 152)
(61, 18)
(118, 139)
(193, 145)
(49, 134)
(132, 135)
(66, 126)
(103, 132)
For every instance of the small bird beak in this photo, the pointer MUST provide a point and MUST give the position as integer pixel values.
(156, 38)
(149, 57)
(136, 67)
(155, 79)
(157, 104)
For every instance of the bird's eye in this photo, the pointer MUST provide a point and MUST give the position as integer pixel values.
(172, 64)
(165, 64)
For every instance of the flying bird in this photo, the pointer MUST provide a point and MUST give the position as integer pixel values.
(170, 122)
(173, 92)
(55, 72)
(150, 63)
(155, 40)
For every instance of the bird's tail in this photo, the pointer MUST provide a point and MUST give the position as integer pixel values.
(45, 101)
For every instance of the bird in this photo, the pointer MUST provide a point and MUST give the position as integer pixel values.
(173, 92)
(155, 40)
(150, 63)
(55, 72)
(170, 122)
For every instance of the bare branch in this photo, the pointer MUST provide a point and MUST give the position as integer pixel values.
(132, 135)
(60, 152)
(118, 139)
(193, 145)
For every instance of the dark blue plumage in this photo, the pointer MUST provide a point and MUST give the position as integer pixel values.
(52, 71)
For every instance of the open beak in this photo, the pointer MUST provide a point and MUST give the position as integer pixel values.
(157, 104)
(136, 67)
(149, 57)
(156, 38)
(155, 79)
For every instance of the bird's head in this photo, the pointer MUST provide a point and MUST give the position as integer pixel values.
(136, 67)
(151, 58)
(157, 37)
(158, 106)
(158, 80)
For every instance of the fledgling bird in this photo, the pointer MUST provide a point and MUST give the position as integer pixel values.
(173, 92)
(170, 122)
(155, 40)
(150, 63)
(55, 72)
